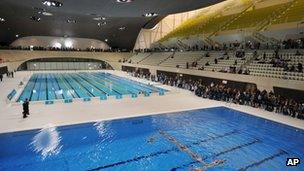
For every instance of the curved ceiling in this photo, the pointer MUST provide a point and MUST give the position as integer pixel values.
(17, 14)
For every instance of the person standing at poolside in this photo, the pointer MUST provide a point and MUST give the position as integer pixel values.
(25, 106)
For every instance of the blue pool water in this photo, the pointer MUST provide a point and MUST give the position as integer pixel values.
(65, 86)
(157, 142)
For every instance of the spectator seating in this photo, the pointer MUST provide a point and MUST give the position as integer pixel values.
(261, 67)
(181, 58)
(268, 70)
(139, 57)
(156, 58)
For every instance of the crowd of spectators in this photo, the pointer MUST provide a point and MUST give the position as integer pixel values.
(278, 61)
(38, 48)
(221, 92)
(283, 44)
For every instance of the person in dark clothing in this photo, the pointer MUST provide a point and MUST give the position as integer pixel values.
(300, 67)
(25, 106)
(1, 77)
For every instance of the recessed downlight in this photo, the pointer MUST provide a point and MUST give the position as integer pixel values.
(2, 19)
(122, 28)
(42, 11)
(35, 18)
(52, 3)
(124, 1)
(150, 14)
(106, 40)
(71, 21)
(101, 23)
(99, 18)
(47, 14)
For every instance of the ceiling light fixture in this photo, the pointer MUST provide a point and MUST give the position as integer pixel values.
(122, 28)
(151, 14)
(71, 21)
(47, 14)
(106, 40)
(35, 18)
(52, 3)
(99, 18)
(17, 35)
(124, 1)
(101, 23)
(42, 11)
(2, 19)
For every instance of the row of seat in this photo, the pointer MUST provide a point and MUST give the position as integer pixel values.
(182, 59)
(170, 59)
(138, 57)
(156, 58)
(278, 76)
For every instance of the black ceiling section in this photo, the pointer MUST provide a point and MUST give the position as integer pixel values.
(17, 14)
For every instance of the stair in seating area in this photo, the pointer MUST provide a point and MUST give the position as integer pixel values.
(226, 24)
(171, 56)
(144, 58)
(263, 25)
(182, 45)
(181, 59)
(227, 63)
(211, 42)
(264, 39)
(155, 58)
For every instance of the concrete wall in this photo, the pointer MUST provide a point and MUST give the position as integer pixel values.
(14, 58)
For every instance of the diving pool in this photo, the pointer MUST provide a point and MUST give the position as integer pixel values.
(166, 142)
(84, 85)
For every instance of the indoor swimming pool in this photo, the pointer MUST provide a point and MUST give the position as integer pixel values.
(210, 139)
(84, 85)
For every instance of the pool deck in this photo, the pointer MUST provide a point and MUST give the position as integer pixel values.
(59, 114)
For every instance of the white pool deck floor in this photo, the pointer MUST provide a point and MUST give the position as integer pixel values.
(60, 113)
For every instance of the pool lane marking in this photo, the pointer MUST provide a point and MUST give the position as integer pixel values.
(93, 86)
(238, 147)
(102, 82)
(220, 153)
(255, 164)
(96, 84)
(182, 147)
(114, 85)
(162, 152)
